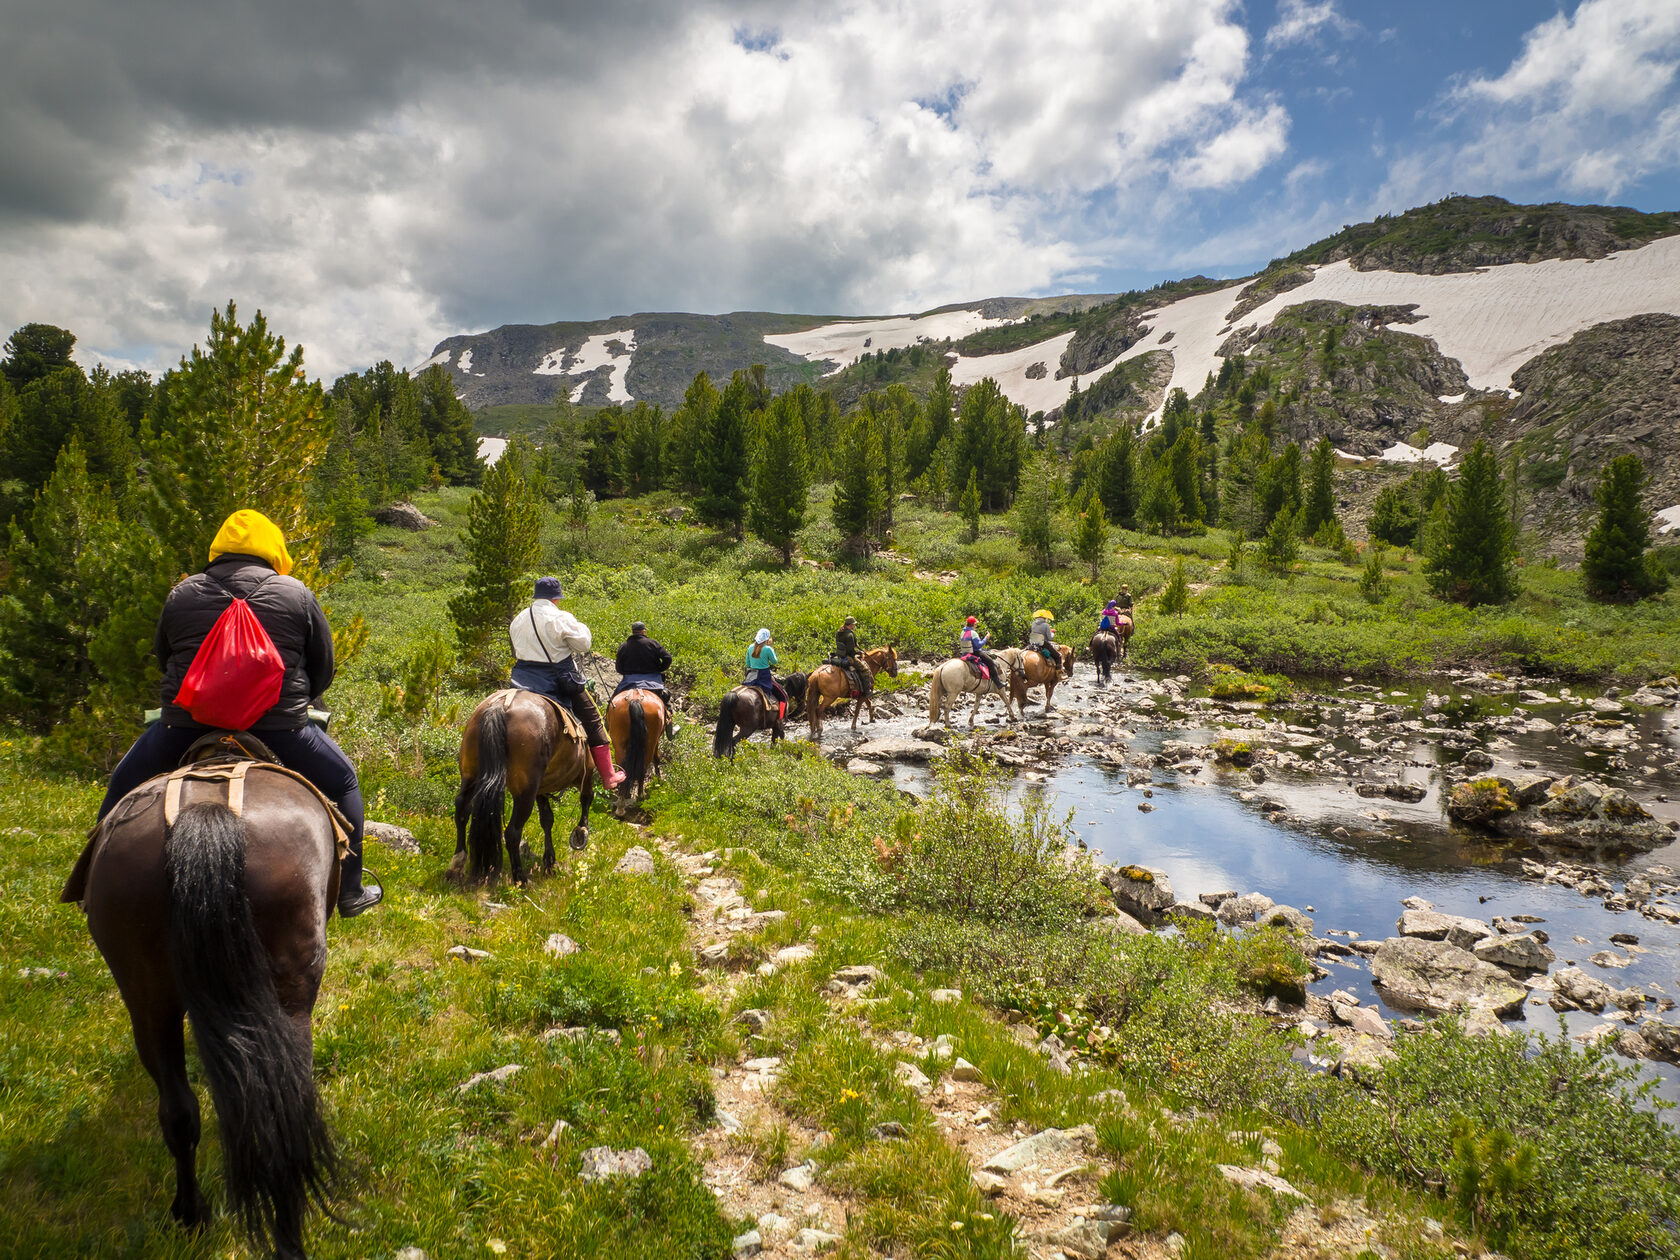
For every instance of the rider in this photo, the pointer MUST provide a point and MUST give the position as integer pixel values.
(249, 561)
(761, 658)
(544, 638)
(972, 643)
(1123, 601)
(849, 657)
(1043, 636)
(642, 662)
(1109, 622)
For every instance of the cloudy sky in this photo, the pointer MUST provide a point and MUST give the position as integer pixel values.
(379, 174)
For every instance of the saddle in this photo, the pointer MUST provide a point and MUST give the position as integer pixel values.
(974, 663)
(225, 757)
(568, 720)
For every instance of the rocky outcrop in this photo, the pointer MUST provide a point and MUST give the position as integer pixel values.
(1429, 924)
(1143, 892)
(403, 516)
(1567, 813)
(1514, 953)
(1438, 977)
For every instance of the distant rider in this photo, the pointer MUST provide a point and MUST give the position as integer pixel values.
(249, 561)
(972, 643)
(761, 659)
(642, 662)
(1043, 637)
(545, 638)
(1123, 601)
(1109, 622)
(849, 657)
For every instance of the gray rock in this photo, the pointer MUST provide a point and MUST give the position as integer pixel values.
(1119, 924)
(815, 1240)
(1055, 1148)
(1363, 1059)
(990, 1184)
(889, 1130)
(1286, 916)
(755, 1019)
(799, 1177)
(1141, 891)
(1572, 987)
(1245, 908)
(1518, 953)
(1259, 1179)
(1213, 900)
(636, 861)
(403, 516)
(912, 1076)
(945, 997)
(1438, 976)
(392, 837)
(1081, 1238)
(602, 1163)
(1432, 925)
(466, 953)
(748, 1244)
(791, 954)
(895, 748)
(1531, 789)
(410, 1253)
(1662, 1040)
(1190, 910)
(715, 954)
(559, 945)
(867, 769)
(963, 1070)
(1362, 1019)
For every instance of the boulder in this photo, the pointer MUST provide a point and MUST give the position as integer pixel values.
(1432, 925)
(1438, 977)
(1362, 1059)
(1140, 890)
(1259, 1179)
(1119, 924)
(1531, 789)
(636, 861)
(1362, 1019)
(1481, 801)
(799, 1177)
(403, 516)
(1245, 908)
(559, 945)
(1189, 910)
(1573, 987)
(1052, 1148)
(1288, 917)
(602, 1163)
(1516, 953)
(895, 748)
(1662, 1040)
(392, 837)
(867, 769)
(912, 1076)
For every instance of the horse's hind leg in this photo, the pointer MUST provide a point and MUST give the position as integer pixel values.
(161, 1042)
(463, 812)
(545, 811)
(513, 837)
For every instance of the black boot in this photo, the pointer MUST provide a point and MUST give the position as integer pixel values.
(354, 896)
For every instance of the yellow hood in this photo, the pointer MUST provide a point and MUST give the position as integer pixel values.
(250, 533)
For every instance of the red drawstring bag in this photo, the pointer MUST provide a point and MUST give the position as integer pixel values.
(236, 673)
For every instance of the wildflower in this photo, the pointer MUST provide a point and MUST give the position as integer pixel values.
(956, 1226)
(676, 969)
(496, 1245)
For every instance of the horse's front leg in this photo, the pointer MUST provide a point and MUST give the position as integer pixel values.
(586, 798)
(545, 812)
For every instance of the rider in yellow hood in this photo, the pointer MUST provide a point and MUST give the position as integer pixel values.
(250, 533)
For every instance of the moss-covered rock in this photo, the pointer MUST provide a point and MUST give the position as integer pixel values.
(1481, 800)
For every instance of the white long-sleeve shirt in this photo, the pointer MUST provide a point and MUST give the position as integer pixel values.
(561, 633)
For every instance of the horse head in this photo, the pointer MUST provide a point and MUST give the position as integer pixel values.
(883, 658)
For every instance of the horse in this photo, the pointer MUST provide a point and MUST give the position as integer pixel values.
(1029, 669)
(829, 684)
(210, 899)
(522, 743)
(954, 678)
(744, 712)
(635, 723)
(1105, 648)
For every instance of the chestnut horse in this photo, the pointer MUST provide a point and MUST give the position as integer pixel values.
(1029, 669)
(522, 743)
(221, 916)
(829, 685)
(635, 724)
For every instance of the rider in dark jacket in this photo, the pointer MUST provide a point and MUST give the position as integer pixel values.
(249, 561)
(642, 663)
(849, 656)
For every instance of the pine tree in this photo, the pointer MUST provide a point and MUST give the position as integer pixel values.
(940, 407)
(1235, 556)
(990, 441)
(448, 427)
(1090, 541)
(858, 497)
(1281, 547)
(1160, 509)
(689, 427)
(1175, 596)
(1373, 582)
(1119, 479)
(970, 509)
(1035, 509)
(340, 502)
(1280, 485)
(1617, 568)
(781, 477)
(1472, 558)
(1394, 518)
(503, 544)
(1321, 494)
(1185, 464)
(244, 429)
(721, 457)
(35, 351)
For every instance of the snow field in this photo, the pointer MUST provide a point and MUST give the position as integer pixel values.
(1670, 518)
(593, 355)
(841, 343)
(490, 448)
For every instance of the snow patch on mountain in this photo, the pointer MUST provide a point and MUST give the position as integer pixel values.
(1040, 391)
(490, 448)
(1670, 518)
(597, 352)
(842, 343)
(440, 358)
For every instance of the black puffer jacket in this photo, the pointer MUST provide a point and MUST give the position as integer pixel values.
(286, 608)
(642, 655)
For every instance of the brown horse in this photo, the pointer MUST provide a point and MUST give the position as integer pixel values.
(221, 915)
(1029, 669)
(829, 685)
(1105, 650)
(522, 743)
(635, 724)
(744, 711)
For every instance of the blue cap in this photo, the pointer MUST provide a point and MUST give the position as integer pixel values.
(548, 588)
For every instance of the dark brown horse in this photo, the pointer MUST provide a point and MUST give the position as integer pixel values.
(635, 724)
(221, 916)
(743, 712)
(525, 744)
(829, 685)
(1108, 646)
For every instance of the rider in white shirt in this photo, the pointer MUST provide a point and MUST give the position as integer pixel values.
(545, 638)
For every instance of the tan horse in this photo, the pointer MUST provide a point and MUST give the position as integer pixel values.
(523, 743)
(635, 724)
(829, 685)
(953, 679)
(1029, 669)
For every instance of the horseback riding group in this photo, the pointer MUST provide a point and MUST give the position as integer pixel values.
(233, 827)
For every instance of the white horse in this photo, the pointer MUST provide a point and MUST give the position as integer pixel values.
(954, 678)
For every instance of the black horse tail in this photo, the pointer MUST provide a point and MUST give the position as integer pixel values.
(723, 741)
(277, 1153)
(484, 830)
(635, 755)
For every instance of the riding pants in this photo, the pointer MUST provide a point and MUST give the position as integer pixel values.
(309, 750)
(567, 686)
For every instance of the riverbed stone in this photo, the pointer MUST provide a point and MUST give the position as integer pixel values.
(1438, 977)
(1481, 801)
(1142, 891)
(1432, 925)
(1572, 987)
(1515, 953)
(1245, 908)
(1288, 917)
(1362, 1019)
(1662, 1040)
(895, 748)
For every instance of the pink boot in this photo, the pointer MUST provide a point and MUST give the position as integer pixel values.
(610, 777)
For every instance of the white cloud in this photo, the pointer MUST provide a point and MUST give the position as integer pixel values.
(1590, 102)
(860, 158)
(1300, 21)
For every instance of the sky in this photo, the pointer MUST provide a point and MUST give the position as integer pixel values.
(379, 174)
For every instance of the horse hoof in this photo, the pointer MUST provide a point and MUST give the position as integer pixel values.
(580, 838)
